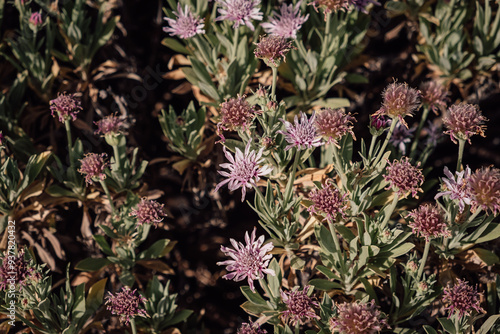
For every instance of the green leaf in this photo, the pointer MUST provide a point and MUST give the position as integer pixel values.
(487, 256)
(180, 316)
(175, 45)
(491, 233)
(254, 309)
(429, 330)
(356, 78)
(156, 250)
(325, 285)
(92, 264)
(101, 241)
(252, 296)
(95, 295)
(447, 325)
(485, 328)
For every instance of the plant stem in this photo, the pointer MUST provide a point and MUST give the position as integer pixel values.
(291, 179)
(424, 259)
(336, 241)
(70, 143)
(327, 35)
(391, 210)
(414, 145)
(235, 42)
(117, 156)
(386, 141)
(275, 80)
(132, 326)
(106, 190)
(372, 147)
(461, 146)
(340, 167)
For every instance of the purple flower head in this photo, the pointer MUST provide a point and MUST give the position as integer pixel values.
(357, 318)
(401, 136)
(93, 166)
(484, 188)
(428, 222)
(379, 122)
(462, 299)
(399, 101)
(248, 261)
(287, 22)
(148, 212)
(36, 19)
(434, 95)
(18, 271)
(329, 6)
(328, 201)
(186, 25)
(126, 304)
(434, 133)
(456, 188)
(250, 328)
(463, 121)
(333, 124)
(111, 124)
(272, 49)
(241, 12)
(301, 134)
(66, 106)
(403, 177)
(299, 306)
(236, 113)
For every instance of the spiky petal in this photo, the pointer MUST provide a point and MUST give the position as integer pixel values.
(403, 177)
(250, 328)
(484, 187)
(186, 25)
(15, 271)
(236, 113)
(248, 261)
(126, 304)
(333, 124)
(301, 134)
(299, 306)
(428, 222)
(148, 212)
(463, 121)
(93, 166)
(241, 12)
(272, 49)
(111, 124)
(455, 186)
(462, 299)
(328, 201)
(66, 106)
(434, 95)
(244, 171)
(357, 318)
(399, 101)
(287, 23)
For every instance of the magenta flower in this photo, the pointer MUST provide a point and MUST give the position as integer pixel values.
(328, 201)
(241, 12)
(403, 177)
(456, 187)
(428, 222)
(434, 95)
(250, 328)
(399, 101)
(463, 121)
(126, 304)
(272, 49)
(462, 299)
(401, 136)
(244, 171)
(93, 166)
(484, 187)
(357, 318)
(17, 271)
(300, 307)
(186, 25)
(66, 106)
(111, 124)
(333, 124)
(148, 212)
(248, 261)
(36, 19)
(236, 113)
(287, 22)
(302, 134)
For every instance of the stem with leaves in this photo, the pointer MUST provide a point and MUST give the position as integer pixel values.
(390, 211)
(70, 143)
(461, 146)
(106, 190)
(235, 42)
(275, 79)
(424, 259)
(326, 43)
(291, 179)
(386, 141)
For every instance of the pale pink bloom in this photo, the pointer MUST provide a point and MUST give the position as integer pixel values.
(299, 306)
(333, 124)
(287, 22)
(301, 134)
(463, 121)
(66, 106)
(462, 299)
(126, 304)
(434, 95)
(244, 171)
(241, 12)
(250, 328)
(148, 212)
(328, 201)
(399, 101)
(272, 49)
(484, 188)
(428, 222)
(186, 25)
(404, 178)
(357, 318)
(456, 187)
(93, 166)
(249, 261)
(111, 124)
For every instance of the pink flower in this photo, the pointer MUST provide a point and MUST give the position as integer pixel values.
(403, 177)
(330, 5)
(126, 304)
(434, 95)
(300, 307)
(302, 134)
(241, 12)
(250, 328)
(236, 113)
(399, 101)
(357, 318)
(93, 166)
(287, 22)
(428, 222)
(328, 201)
(461, 299)
(333, 124)
(148, 212)
(272, 49)
(456, 188)
(186, 25)
(244, 171)
(484, 187)
(249, 261)
(463, 121)
(66, 106)
(111, 124)
(36, 19)
(16, 271)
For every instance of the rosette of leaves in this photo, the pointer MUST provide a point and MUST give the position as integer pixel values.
(486, 36)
